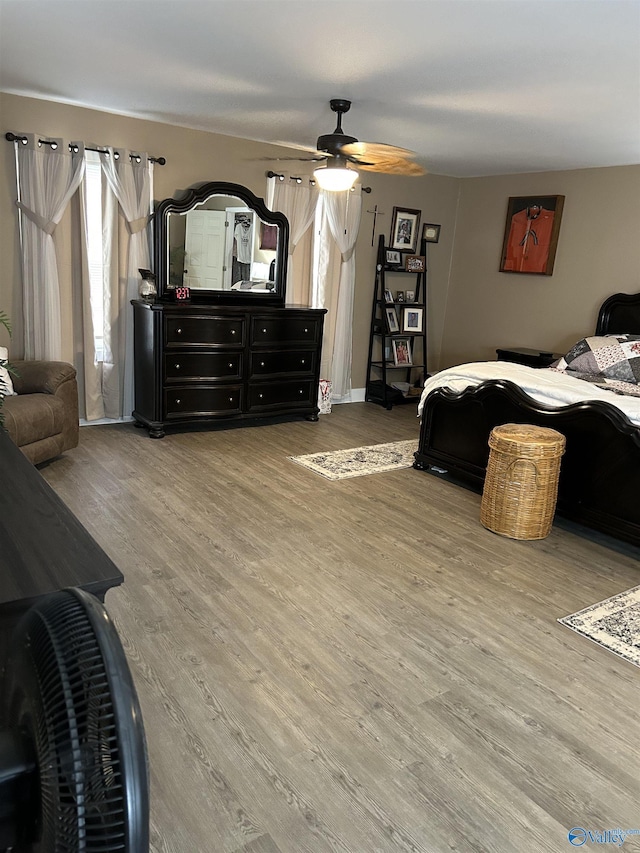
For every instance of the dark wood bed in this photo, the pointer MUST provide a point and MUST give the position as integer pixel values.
(600, 473)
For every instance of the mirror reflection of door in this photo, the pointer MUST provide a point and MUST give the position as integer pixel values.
(239, 244)
(205, 249)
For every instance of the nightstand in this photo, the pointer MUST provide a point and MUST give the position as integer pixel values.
(528, 357)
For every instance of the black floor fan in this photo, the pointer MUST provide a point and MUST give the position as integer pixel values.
(73, 759)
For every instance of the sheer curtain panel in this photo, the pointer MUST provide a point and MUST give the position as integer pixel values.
(127, 250)
(341, 214)
(297, 199)
(47, 176)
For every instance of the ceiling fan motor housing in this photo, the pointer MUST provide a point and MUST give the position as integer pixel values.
(333, 142)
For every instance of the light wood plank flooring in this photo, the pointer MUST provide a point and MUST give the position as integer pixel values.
(353, 666)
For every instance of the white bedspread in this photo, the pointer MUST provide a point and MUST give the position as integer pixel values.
(545, 386)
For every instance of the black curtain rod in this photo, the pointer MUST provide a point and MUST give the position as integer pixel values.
(298, 180)
(11, 137)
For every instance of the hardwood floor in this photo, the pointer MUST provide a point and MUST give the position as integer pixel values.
(356, 665)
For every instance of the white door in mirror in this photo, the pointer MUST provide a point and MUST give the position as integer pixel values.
(204, 249)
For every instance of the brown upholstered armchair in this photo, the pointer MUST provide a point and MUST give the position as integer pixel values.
(43, 418)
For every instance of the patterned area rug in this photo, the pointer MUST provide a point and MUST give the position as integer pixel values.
(356, 461)
(613, 623)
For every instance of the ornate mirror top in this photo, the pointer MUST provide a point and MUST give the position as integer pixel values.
(221, 241)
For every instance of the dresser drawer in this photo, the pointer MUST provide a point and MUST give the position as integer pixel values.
(180, 366)
(202, 401)
(285, 330)
(204, 331)
(277, 394)
(275, 363)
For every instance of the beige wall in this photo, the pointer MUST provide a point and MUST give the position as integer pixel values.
(597, 256)
(472, 307)
(194, 156)
(437, 198)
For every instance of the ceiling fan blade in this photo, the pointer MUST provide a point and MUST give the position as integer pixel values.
(296, 159)
(371, 150)
(378, 157)
(394, 167)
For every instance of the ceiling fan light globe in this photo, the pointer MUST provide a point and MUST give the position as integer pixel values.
(335, 179)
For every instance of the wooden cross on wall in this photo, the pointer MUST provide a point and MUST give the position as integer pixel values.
(375, 213)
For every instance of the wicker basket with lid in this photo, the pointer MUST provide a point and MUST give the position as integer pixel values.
(521, 486)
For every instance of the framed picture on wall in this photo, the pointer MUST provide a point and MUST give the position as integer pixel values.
(531, 234)
(404, 229)
(430, 233)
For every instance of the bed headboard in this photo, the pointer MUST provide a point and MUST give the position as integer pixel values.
(619, 315)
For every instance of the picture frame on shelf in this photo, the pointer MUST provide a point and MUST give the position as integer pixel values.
(409, 296)
(404, 229)
(393, 257)
(388, 352)
(414, 263)
(430, 232)
(412, 320)
(402, 352)
(399, 296)
(531, 234)
(388, 296)
(392, 320)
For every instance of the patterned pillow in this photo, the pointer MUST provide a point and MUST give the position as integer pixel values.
(612, 356)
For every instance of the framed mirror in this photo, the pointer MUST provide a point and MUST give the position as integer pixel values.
(220, 240)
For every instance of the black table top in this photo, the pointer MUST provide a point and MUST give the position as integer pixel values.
(43, 546)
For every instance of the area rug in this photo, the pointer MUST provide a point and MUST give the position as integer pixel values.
(357, 461)
(613, 623)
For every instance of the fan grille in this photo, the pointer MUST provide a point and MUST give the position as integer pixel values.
(62, 695)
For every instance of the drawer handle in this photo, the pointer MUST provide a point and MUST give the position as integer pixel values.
(230, 364)
(302, 361)
(260, 396)
(264, 331)
(306, 330)
(233, 331)
(177, 366)
(262, 364)
(178, 331)
(301, 391)
(178, 401)
(231, 399)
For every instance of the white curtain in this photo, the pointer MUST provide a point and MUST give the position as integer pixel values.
(128, 250)
(48, 175)
(341, 217)
(297, 199)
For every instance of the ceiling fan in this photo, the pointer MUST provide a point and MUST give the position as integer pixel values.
(340, 150)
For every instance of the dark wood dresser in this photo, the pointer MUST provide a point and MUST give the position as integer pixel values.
(199, 364)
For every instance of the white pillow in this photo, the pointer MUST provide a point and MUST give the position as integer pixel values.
(6, 385)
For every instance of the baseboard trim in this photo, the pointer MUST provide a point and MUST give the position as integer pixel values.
(103, 421)
(356, 396)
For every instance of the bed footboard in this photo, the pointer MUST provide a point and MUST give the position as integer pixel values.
(600, 471)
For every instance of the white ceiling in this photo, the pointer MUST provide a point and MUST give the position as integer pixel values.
(475, 87)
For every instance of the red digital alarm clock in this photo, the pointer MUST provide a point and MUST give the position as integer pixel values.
(182, 294)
